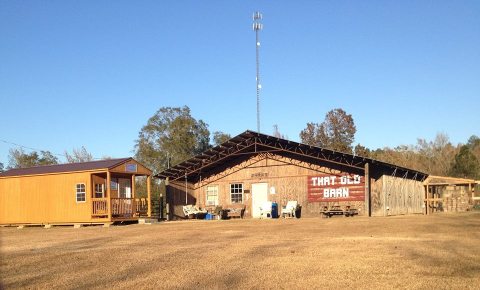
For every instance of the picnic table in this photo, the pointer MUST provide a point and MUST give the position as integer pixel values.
(337, 210)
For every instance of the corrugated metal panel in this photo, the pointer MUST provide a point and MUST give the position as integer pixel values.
(69, 167)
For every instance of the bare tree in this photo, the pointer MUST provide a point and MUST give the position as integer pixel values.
(78, 155)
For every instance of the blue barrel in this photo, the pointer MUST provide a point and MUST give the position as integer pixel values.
(274, 210)
(209, 216)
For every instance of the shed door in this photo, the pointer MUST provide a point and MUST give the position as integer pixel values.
(259, 196)
(125, 188)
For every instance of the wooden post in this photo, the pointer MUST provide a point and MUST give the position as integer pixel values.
(471, 192)
(167, 198)
(134, 204)
(426, 199)
(133, 186)
(384, 193)
(109, 197)
(149, 197)
(160, 207)
(368, 204)
(427, 202)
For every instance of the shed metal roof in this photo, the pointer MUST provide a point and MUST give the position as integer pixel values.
(447, 180)
(68, 167)
(249, 143)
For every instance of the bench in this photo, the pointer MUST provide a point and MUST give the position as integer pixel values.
(235, 210)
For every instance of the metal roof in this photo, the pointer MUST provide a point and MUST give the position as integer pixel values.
(447, 180)
(68, 167)
(249, 143)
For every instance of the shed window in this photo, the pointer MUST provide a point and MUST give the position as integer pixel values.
(212, 195)
(236, 192)
(99, 190)
(81, 193)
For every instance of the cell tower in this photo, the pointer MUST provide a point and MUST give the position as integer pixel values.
(257, 26)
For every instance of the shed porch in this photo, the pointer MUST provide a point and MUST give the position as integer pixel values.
(113, 197)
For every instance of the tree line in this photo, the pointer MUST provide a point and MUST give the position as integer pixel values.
(437, 157)
(18, 158)
(173, 135)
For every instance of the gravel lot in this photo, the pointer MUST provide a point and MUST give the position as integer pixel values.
(440, 251)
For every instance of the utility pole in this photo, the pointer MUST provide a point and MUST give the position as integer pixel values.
(257, 26)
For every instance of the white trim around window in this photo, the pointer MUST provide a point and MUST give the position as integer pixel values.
(80, 193)
(212, 195)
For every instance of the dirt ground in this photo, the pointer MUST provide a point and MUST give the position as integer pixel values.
(441, 251)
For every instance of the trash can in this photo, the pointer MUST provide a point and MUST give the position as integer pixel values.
(274, 210)
(209, 216)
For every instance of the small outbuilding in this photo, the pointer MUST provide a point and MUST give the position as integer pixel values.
(85, 193)
(253, 168)
(450, 194)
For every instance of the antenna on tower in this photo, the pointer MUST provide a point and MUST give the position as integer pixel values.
(257, 26)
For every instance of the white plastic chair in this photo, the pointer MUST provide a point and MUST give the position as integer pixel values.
(290, 208)
(266, 210)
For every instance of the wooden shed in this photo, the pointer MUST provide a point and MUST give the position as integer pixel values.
(252, 168)
(85, 193)
(449, 194)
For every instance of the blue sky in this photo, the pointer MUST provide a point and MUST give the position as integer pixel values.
(91, 73)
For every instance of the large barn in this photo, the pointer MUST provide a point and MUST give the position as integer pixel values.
(252, 168)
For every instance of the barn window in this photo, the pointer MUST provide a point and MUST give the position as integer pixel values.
(212, 195)
(236, 192)
(81, 194)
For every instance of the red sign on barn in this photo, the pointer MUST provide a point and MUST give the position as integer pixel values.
(336, 187)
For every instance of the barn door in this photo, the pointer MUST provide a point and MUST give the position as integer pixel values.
(259, 196)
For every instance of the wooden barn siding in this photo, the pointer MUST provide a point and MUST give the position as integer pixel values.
(44, 199)
(401, 196)
(176, 198)
(397, 196)
(290, 182)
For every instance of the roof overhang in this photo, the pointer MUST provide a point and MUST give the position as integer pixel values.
(249, 143)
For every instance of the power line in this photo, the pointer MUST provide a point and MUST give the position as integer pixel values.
(36, 149)
(30, 148)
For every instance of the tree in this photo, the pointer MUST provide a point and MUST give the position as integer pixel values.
(474, 145)
(432, 157)
(78, 155)
(19, 159)
(220, 137)
(336, 132)
(277, 133)
(435, 157)
(1, 167)
(362, 151)
(47, 158)
(309, 135)
(466, 164)
(473, 141)
(171, 136)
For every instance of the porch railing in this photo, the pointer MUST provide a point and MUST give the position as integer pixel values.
(141, 208)
(99, 207)
(121, 207)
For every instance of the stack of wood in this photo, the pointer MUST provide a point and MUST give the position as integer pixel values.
(456, 199)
